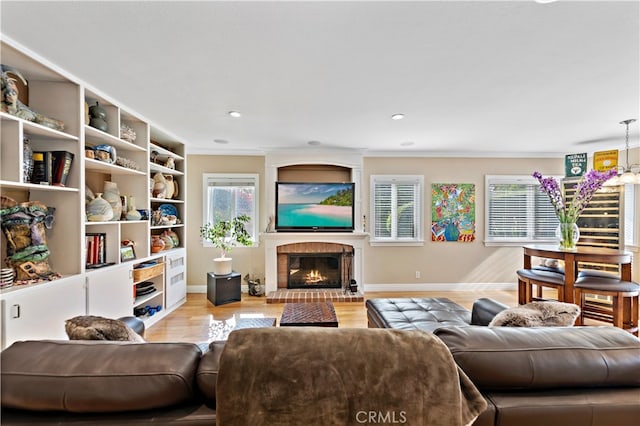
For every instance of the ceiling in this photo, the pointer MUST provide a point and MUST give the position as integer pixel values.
(475, 78)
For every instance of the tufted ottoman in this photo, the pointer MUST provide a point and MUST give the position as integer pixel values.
(429, 313)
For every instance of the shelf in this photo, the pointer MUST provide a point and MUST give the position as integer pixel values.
(178, 225)
(143, 299)
(166, 200)
(114, 169)
(106, 138)
(162, 152)
(36, 187)
(153, 167)
(37, 129)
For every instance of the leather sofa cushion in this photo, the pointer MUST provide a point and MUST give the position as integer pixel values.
(207, 374)
(586, 406)
(504, 358)
(96, 376)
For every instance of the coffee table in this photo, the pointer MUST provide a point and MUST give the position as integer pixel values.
(315, 314)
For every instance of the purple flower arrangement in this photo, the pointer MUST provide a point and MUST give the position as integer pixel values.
(588, 185)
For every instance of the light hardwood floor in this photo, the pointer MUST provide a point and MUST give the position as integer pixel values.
(195, 320)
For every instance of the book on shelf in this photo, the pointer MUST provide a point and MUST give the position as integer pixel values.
(96, 248)
(42, 167)
(62, 161)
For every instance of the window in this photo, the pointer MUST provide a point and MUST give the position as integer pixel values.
(517, 211)
(229, 195)
(396, 206)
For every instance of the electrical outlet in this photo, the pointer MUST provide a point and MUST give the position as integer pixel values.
(417, 274)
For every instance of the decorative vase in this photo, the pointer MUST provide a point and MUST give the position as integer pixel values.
(98, 117)
(99, 209)
(174, 237)
(27, 160)
(170, 186)
(132, 212)
(111, 193)
(168, 241)
(157, 245)
(159, 186)
(222, 265)
(568, 235)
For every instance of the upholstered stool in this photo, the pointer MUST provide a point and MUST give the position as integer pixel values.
(527, 278)
(135, 324)
(622, 313)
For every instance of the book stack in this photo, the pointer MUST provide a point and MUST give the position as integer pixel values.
(51, 167)
(95, 244)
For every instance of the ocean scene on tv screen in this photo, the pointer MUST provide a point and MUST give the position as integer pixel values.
(315, 205)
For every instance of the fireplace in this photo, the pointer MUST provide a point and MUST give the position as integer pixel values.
(314, 270)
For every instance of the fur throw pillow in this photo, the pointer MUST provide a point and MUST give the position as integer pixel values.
(89, 327)
(538, 314)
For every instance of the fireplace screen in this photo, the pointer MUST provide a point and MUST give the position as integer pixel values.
(315, 270)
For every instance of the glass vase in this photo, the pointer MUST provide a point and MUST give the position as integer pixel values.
(568, 235)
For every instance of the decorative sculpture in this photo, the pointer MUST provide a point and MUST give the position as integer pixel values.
(12, 105)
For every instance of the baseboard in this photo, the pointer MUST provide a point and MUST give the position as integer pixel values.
(408, 287)
(439, 287)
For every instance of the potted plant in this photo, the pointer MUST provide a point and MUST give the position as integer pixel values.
(225, 235)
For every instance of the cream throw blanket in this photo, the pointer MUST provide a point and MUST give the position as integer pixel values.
(331, 376)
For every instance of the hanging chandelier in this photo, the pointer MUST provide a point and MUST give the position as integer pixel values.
(630, 173)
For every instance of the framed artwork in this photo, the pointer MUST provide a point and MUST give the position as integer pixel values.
(453, 212)
(127, 253)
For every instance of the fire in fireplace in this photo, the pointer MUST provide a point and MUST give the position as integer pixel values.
(314, 270)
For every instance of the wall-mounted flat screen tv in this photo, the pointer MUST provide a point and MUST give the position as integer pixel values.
(305, 206)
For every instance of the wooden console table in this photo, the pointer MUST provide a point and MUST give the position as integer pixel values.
(581, 254)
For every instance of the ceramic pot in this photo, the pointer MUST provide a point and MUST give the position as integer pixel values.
(111, 193)
(159, 186)
(222, 265)
(97, 111)
(168, 241)
(174, 237)
(132, 212)
(170, 186)
(99, 123)
(99, 209)
(157, 245)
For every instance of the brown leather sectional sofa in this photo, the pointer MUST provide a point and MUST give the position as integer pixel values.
(108, 383)
(530, 376)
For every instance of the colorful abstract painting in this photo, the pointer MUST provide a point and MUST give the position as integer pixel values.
(453, 212)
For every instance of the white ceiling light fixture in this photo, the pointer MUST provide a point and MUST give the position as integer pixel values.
(407, 143)
(235, 114)
(221, 141)
(313, 143)
(397, 116)
(630, 173)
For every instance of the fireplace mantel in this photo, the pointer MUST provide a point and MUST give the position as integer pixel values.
(272, 240)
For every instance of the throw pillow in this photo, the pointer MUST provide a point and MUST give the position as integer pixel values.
(538, 314)
(90, 327)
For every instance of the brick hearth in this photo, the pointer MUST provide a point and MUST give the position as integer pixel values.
(313, 295)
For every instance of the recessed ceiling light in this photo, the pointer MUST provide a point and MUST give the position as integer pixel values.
(235, 114)
(397, 116)
(407, 143)
(221, 141)
(313, 143)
